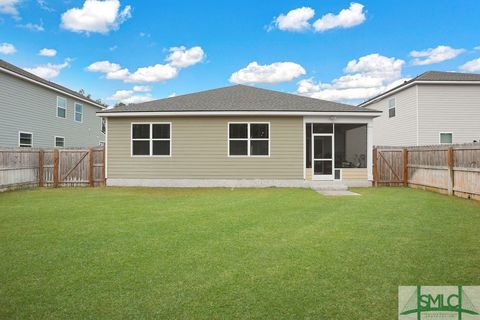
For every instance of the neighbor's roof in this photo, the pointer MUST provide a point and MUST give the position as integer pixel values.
(239, 98)
(22, 73)
(430, 76)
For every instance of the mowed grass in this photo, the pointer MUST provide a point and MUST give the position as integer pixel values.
(219, 253)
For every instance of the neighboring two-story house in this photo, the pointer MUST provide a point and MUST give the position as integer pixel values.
(432, 108)
(35, 112)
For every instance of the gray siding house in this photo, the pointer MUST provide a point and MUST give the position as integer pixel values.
(35, 112)
(239, 136)
(432, 108)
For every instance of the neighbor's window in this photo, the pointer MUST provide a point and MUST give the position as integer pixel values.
(103, 127)
(391, 108)
(25, 139)
(446, 137)
(59, 142)
(249, 139)
(151, 139)
(61, 107)
(78, 112)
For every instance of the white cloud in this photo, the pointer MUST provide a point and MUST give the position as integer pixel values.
(434, 55)
(96, 16)
(156, 73)
(364, 78)
(32, 26)
(295, 20)
(49, 70)
(476, 48)
(172, 95)
(181, 57)
(103, 66)
(471, 66)
(347, 18)
(44, 5)
(128, 96)
(47, 52)
(7, 48)
(272, 73)
(10, 7)
(142, 88)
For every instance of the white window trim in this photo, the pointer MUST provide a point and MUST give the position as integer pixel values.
(75, 112)
(440, 137)
(25, 146)
(394, 106)
(55, 141)
(58, 107)
(151, 140)
(248, 139)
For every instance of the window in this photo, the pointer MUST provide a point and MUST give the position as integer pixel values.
(249, 139)
(151, 139)
(25, 139)
(103, 127)
(350, 145)
(61, 107)
(391, 108)
(446, 137)
(59, 142)
(78, 112)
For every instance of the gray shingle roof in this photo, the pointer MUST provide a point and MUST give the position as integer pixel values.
(238, 98)
(432, 76)
(24, 73)
(447, 76)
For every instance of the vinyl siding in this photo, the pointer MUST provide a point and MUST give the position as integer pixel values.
(449, 108)
(200, 150)
(25, 106)
(354, 174)
(402, 129)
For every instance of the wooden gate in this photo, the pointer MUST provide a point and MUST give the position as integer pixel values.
(389, 167)
(72, 167)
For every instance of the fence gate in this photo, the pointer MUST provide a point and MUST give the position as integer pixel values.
(389, 168)
(52, 167)
(72, 167)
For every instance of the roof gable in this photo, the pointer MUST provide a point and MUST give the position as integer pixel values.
(432, 77)
(25, 74)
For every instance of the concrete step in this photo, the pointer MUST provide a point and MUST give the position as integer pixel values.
(328, 186)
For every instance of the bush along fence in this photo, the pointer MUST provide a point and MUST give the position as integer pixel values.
(22, 167)
(449, 169)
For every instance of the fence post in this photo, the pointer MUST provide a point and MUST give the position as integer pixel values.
(56, 157)
(405, 167)
(451, 175)
(104, 158)
(40, 167)
(375, 167)
(90, 167)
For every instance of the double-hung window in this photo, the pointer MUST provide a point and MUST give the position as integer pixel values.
(25, 139)
(61, 107)
(151, 139)
(78, 117)
(391, 108)
(59, 142)
(249, 139)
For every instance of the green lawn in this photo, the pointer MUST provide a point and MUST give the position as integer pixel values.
(221, 253)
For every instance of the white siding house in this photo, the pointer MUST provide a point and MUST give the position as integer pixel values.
(38, 113)
(433, 108)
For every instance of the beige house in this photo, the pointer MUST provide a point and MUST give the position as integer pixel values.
(432, 108)
(239, 136)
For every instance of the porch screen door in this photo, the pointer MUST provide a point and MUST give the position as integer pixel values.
(322, 156)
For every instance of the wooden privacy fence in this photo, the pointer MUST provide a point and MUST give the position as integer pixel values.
(453, 169)
(52, 167)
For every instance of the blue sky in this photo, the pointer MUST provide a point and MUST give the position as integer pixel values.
(307, 47)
